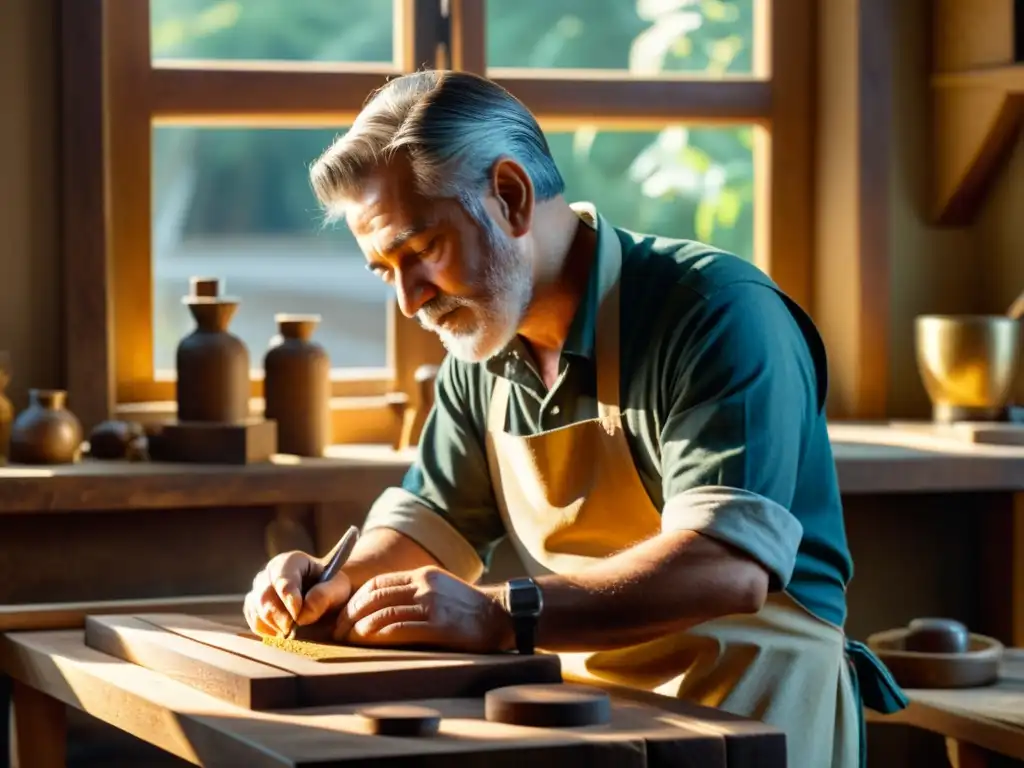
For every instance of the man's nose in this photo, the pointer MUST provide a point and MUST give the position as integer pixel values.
(413, 291)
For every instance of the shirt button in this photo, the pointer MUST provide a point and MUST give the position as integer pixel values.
(555, 411)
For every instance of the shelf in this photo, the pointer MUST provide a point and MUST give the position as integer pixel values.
(93, 485)
(870, 458)
(978, 115)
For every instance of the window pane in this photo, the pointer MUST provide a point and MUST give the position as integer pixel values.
(297, 30)
(694, 183)
(643, 37)
(237, 204)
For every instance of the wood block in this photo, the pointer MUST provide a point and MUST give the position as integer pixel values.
(990, 433)
(369, 675)
(548, 706)
(248, 442)
(402, 720)
(232, 678)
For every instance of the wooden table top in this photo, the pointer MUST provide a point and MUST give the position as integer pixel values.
(991, 717)
(201, 723)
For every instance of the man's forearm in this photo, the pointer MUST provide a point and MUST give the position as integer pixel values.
(383, 550)
(668, 583)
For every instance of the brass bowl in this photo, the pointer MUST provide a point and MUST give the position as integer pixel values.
(968, 364)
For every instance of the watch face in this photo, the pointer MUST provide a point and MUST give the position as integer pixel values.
(523, 598)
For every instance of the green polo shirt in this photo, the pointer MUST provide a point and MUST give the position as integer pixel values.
(723, 382)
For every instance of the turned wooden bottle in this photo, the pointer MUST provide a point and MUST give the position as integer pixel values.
(297, 387)
(212, 363)
(46, 432)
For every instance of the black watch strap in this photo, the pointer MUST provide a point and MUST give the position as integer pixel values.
(523, 601)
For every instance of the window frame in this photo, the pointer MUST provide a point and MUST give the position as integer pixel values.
(107, 61)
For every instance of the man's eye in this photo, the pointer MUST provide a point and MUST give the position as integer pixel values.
(432, 251)
(384, 274)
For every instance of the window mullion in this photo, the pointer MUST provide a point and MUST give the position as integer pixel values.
(468, 38)
(420, 34)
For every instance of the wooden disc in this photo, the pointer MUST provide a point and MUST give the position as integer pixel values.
(556, 705)
(402, 720)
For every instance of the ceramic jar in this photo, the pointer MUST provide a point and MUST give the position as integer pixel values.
(297, 387)
(46, 432)
(6, 408)
(212, 363)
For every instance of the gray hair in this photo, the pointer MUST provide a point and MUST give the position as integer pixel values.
(453, 126)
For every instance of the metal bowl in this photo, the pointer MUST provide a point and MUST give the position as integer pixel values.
(968, 364)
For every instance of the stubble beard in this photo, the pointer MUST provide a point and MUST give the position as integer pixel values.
(508, 288)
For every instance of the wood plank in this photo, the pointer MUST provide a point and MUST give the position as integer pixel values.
(39, 616)
(206, 731)
(226, 676)
(370, 675)
(140, 702)
(748, 743)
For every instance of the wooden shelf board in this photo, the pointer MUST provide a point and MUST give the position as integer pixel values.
(870, 458)
(121, 485)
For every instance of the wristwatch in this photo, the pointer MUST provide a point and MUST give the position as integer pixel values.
(524, 602)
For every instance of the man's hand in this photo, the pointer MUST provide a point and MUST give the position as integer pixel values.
(425, 607)
(275, 601)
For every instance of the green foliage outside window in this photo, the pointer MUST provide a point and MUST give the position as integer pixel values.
(679, 181)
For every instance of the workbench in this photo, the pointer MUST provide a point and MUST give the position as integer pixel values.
(224, 698)
(978, 723)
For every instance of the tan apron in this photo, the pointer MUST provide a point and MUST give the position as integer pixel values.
(562, 496)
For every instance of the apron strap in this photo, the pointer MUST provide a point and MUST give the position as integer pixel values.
(607, 350)
(499, 405)
(873, 687)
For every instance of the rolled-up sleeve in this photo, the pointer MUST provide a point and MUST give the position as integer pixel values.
(743, 393)
(446, 503)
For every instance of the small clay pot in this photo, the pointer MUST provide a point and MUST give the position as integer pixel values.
(297, 387)
(114, 439)
(46, 432)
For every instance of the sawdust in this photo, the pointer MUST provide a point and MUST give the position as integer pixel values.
(332, 652)
(315, 651)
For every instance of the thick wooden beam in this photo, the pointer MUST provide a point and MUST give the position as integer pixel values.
(88, 340)
(853, 144)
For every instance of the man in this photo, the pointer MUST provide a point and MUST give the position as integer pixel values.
(642, 418)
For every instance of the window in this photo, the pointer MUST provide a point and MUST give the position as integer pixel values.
(687, 118)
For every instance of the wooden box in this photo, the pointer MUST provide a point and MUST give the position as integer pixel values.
(248, 442)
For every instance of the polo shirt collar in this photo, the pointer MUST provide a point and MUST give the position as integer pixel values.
(603, 275)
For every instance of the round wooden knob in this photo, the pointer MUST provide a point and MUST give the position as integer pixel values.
(556, 705)
(401, 720)
(936, 636)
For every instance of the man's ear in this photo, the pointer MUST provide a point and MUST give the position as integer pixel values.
(513, 191)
